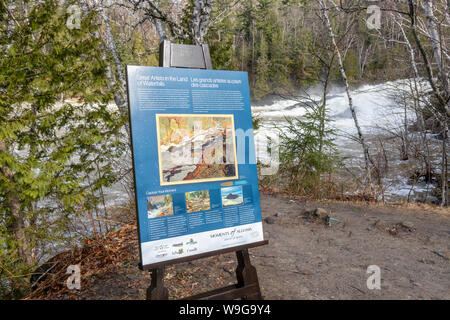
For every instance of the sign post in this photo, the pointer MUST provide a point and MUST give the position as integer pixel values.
(194, 167)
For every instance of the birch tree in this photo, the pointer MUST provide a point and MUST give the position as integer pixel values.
(440, 91)
(361, 138)
(200, 20)
(439, 85)
(110, 43)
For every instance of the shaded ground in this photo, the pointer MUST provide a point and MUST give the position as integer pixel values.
(310, 260)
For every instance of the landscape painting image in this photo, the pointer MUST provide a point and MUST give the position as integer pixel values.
(198, 201)
(159, 206)
(232, 196)
(196, 148)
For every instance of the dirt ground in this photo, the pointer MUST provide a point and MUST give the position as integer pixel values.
(308, 259)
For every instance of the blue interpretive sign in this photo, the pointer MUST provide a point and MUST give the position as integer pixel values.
(194, 161)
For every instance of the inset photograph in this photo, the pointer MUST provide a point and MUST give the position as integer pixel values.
(159, 206)
(232, 196)
(196, 148)
(198, 201)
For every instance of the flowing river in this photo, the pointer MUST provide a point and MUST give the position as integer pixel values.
(378, 113)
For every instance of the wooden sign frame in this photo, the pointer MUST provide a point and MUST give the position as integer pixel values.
(247, 287)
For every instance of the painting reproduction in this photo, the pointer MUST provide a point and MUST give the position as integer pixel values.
(197, 201)
(232, 196)
(196, 148)
(159, 206)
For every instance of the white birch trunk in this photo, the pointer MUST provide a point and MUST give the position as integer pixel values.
(201, 19)
(364, 145)
(160, 29)
(435, 41)
(442, 97)
(437, 51)
(444, 166)
(111, 45)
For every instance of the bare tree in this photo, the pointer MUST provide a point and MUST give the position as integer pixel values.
(440, 89)
(169, 27)
(440, 95)
(361, 138)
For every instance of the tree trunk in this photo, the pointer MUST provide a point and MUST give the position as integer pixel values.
(347, 90)
(160, 29)
(436, 91)
(119, 97)
(200, 20)
(323, 106)
(17, 224)
(444, 168)
(417, 97)
(435, 41)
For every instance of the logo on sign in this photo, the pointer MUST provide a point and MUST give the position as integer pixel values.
(181, 251)
(177, 244)
(191, 242)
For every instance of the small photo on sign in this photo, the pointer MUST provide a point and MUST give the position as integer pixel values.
(196, 148)
(159, 206)
(232, 196)
(198, 201)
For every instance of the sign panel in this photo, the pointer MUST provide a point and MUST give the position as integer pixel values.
(194, 161)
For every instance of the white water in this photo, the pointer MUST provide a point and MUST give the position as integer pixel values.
(377, 111)
(374, 104)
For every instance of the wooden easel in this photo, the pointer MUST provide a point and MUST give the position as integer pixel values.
(247, 287)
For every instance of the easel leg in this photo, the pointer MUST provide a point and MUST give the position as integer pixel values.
(246, 274)
(157, 291)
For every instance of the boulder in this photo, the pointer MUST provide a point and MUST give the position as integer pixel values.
(317, 214)
(320, 213)
(270, 220)
(407, 224)
(333, 221)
